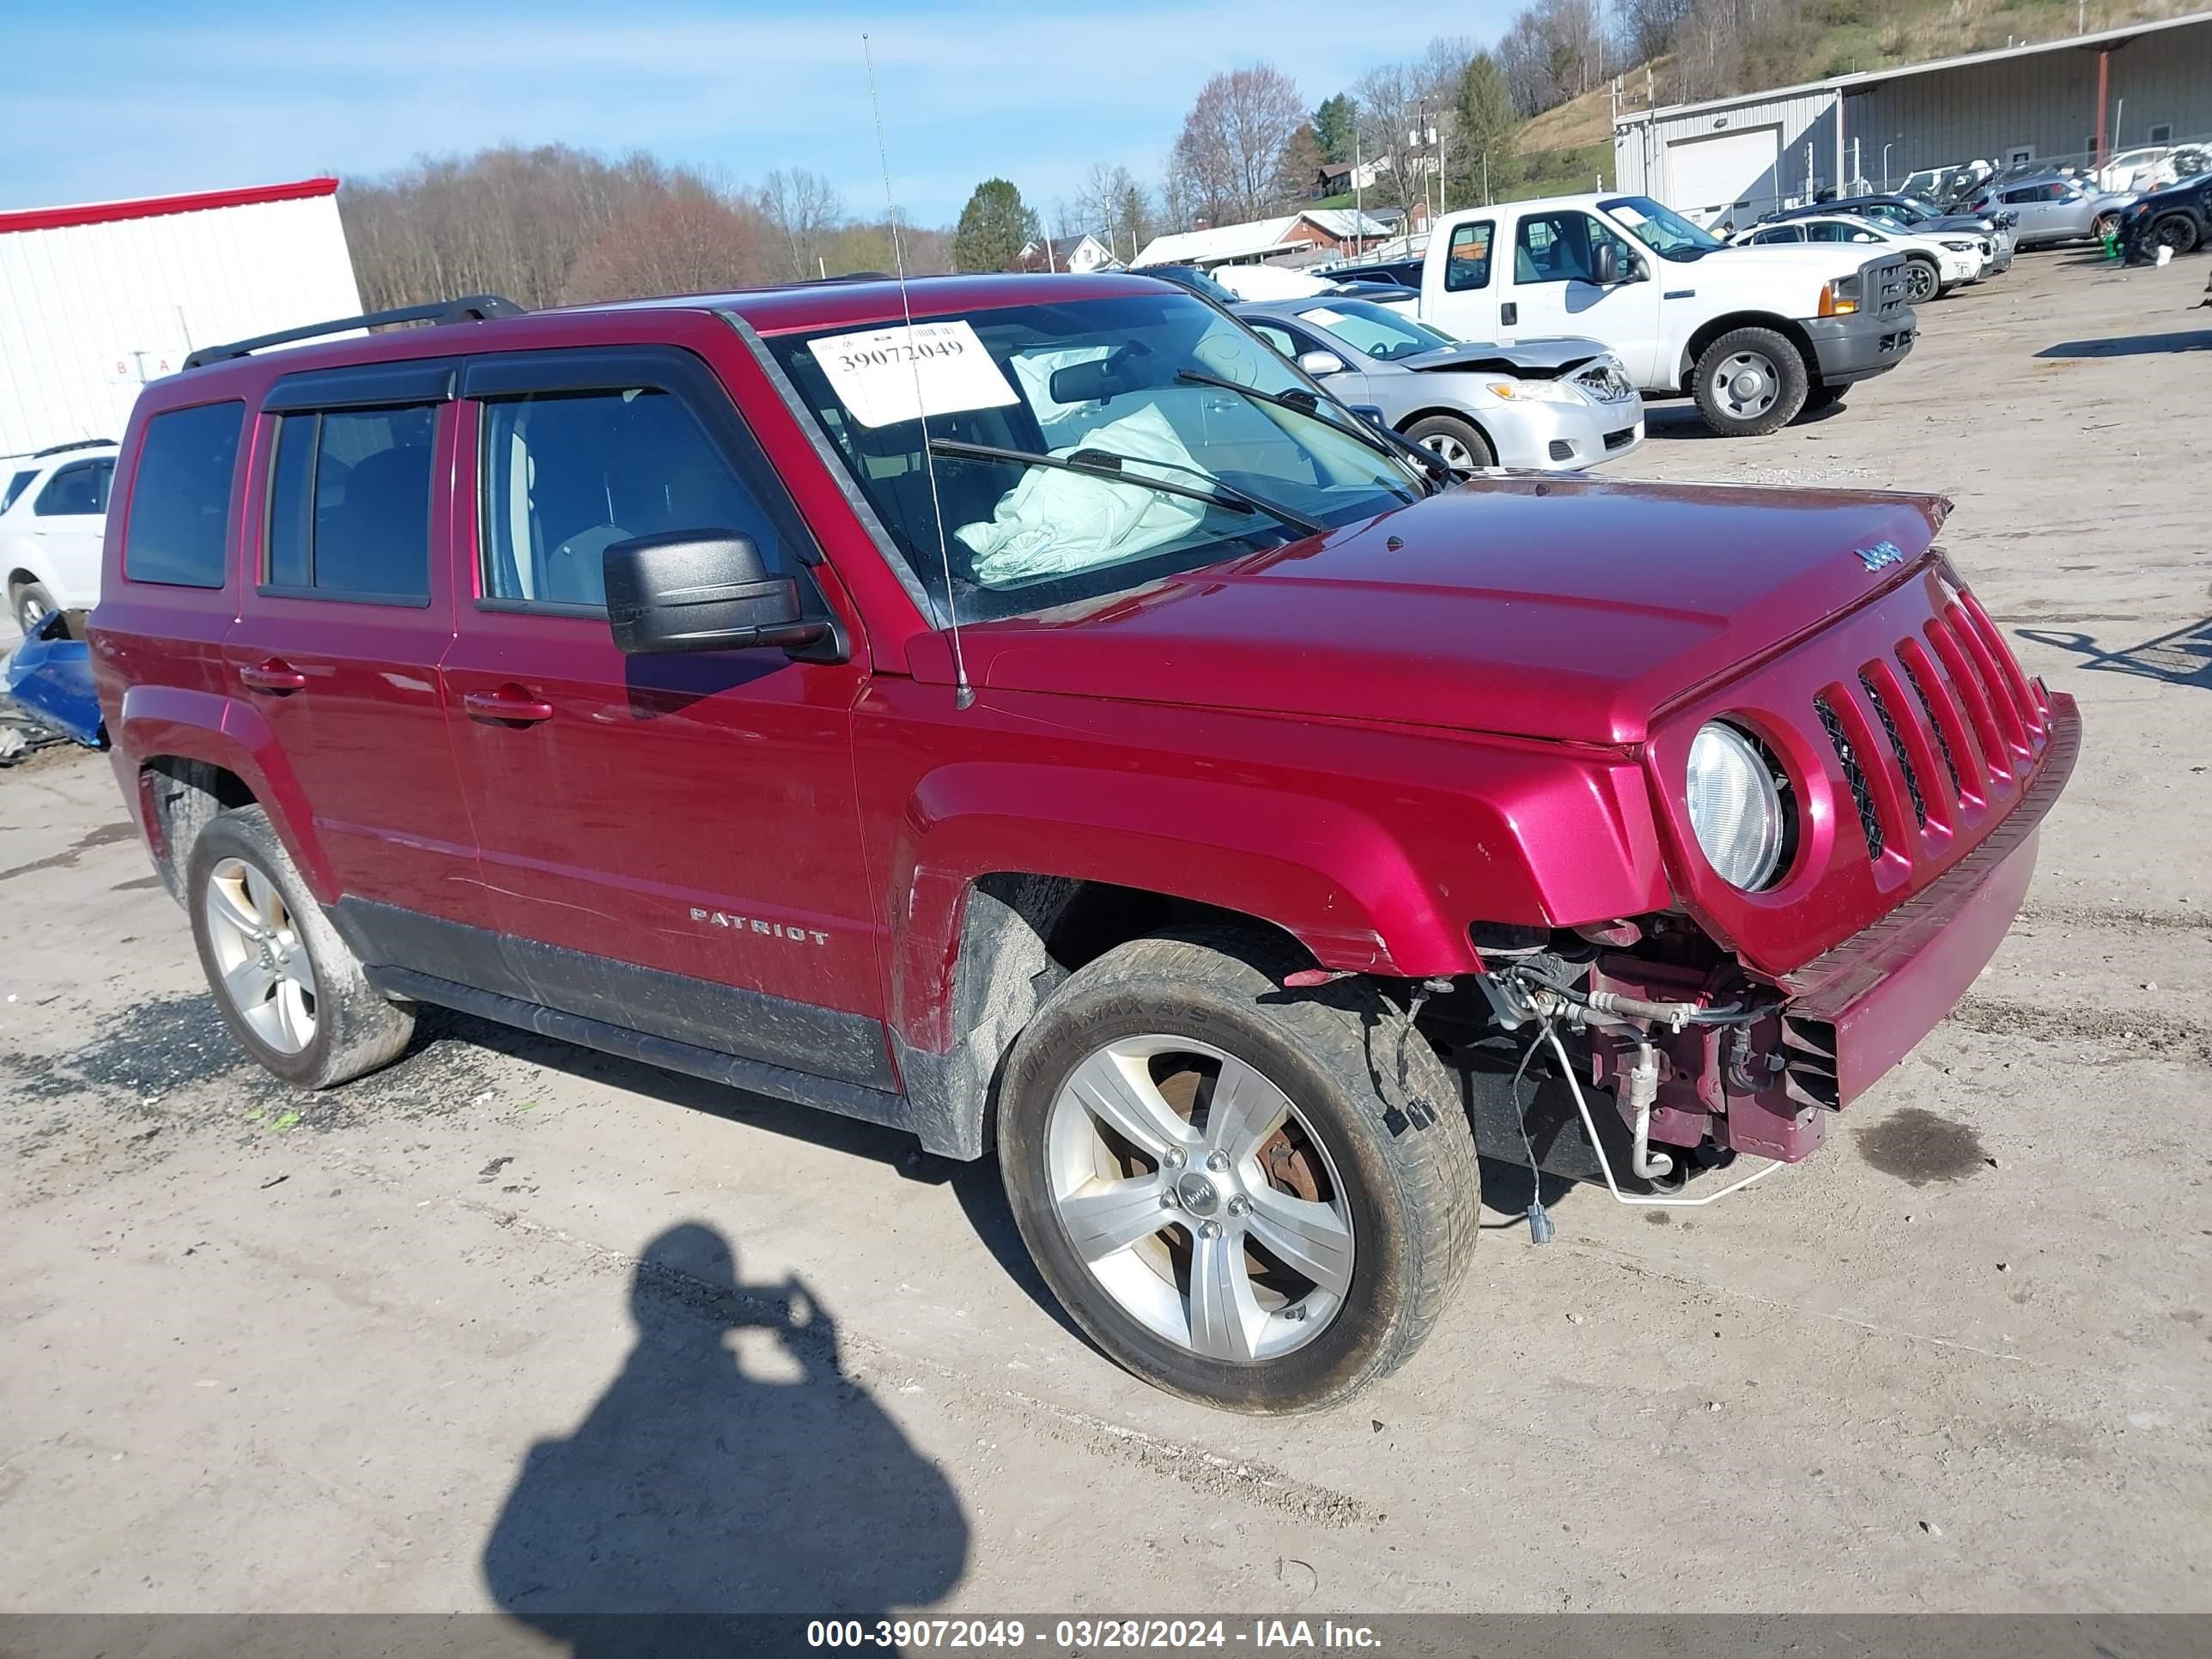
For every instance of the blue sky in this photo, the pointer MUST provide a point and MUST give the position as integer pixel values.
(130, 98)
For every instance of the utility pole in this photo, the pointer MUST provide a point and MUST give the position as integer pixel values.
(1358, 196)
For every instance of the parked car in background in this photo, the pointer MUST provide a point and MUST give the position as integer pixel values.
(1938, 263)
(2179, 218)
(1272, 815)
(1918, 218)
(1259, 283)
(2054, 207)
(1948, 188)
(1548, 405)
(54, 512)
(1755, 334)
(1199, 281)
(2139, 171)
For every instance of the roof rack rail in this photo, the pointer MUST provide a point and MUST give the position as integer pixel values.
(474, 308)
(64, 449)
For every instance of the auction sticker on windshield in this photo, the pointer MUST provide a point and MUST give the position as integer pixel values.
(886, 375)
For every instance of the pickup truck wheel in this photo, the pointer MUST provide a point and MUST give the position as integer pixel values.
(1455, 441)
(1254, 1198)
(288, 985)
(31, 605)
(1750, 382)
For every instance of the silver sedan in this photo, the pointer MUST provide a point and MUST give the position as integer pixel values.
(1554, 405)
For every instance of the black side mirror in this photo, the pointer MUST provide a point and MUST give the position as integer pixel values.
(700, 590)
(1605, 264)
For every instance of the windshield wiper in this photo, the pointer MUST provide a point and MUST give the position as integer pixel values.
(1299, 401)
(1105, 463)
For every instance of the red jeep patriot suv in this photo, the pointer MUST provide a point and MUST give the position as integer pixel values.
(1044, 718)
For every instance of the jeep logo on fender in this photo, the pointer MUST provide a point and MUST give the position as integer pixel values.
(755, 925)
(1881, 554)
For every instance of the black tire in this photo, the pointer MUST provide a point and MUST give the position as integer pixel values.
(1924, 280)
(30, 604)
(356, 1028)
(1786, 365)
(1820, 397)
(1435, 430)
(2176, 231)
(1368, 1088)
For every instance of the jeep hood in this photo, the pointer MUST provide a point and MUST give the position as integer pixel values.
(1538, 607)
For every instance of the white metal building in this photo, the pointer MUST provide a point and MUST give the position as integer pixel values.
(96, 300)
(2076, 100)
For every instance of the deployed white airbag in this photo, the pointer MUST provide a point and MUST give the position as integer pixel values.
(1054, 522)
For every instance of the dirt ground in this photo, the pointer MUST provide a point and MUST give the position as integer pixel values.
(511, 1321)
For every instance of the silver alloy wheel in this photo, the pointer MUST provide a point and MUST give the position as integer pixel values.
(1919, 280)
(1748, 384)
(1453, 454)
(30, 614)
(1179, 1219)
(262, 960)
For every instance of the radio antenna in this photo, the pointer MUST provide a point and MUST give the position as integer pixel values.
(963, 694)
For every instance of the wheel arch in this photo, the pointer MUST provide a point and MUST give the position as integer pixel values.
(1448, 413)
(1706, 333)
(191, 754)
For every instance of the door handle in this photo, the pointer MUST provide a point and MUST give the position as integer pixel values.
(1509, 313)
(510, 703)
(274, 675)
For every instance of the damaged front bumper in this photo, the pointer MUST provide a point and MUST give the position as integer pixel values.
(1850, 1014)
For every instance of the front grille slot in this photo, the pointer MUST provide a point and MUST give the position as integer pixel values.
(1562, 450)
(1935, 724)
(1621, 439)
(1854, 775)
(1897, 747)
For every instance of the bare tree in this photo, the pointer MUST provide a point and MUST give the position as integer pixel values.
(1395, 121)
(804, 210)
(687, 240)
(1235, 147)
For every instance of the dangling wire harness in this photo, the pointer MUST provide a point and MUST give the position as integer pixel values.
(1525, 992)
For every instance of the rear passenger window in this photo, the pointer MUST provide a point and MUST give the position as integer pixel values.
(16, 486)
(181, 500)
(568, 475)
(350, 504)
(75, 491)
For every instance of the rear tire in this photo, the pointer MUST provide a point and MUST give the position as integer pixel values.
(1460, 444)
(1326, 1126)
(289, 988)
(1750, 382)
(30, 604)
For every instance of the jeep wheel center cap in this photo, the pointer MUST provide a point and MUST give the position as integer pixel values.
(1197, 1194)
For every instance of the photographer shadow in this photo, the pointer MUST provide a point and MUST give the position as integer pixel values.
(699, 1491)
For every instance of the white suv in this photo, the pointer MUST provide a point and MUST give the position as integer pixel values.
(53, 511)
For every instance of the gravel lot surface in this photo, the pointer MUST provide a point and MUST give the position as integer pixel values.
(510, 1319)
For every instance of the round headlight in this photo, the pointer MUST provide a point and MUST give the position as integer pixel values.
(1735, 807)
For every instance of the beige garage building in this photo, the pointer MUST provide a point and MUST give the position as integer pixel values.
(2079, 99)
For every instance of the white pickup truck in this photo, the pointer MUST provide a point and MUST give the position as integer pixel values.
(1755, 334)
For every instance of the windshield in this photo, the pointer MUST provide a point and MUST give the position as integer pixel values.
(1662, 230)
(1098, 376)
(1375, 330)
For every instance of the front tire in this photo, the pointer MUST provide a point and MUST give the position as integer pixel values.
(1923, 280)
(1254, 1198)
(1750, 382)
(289, 987)
(2176, 231)
(1460, 444)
